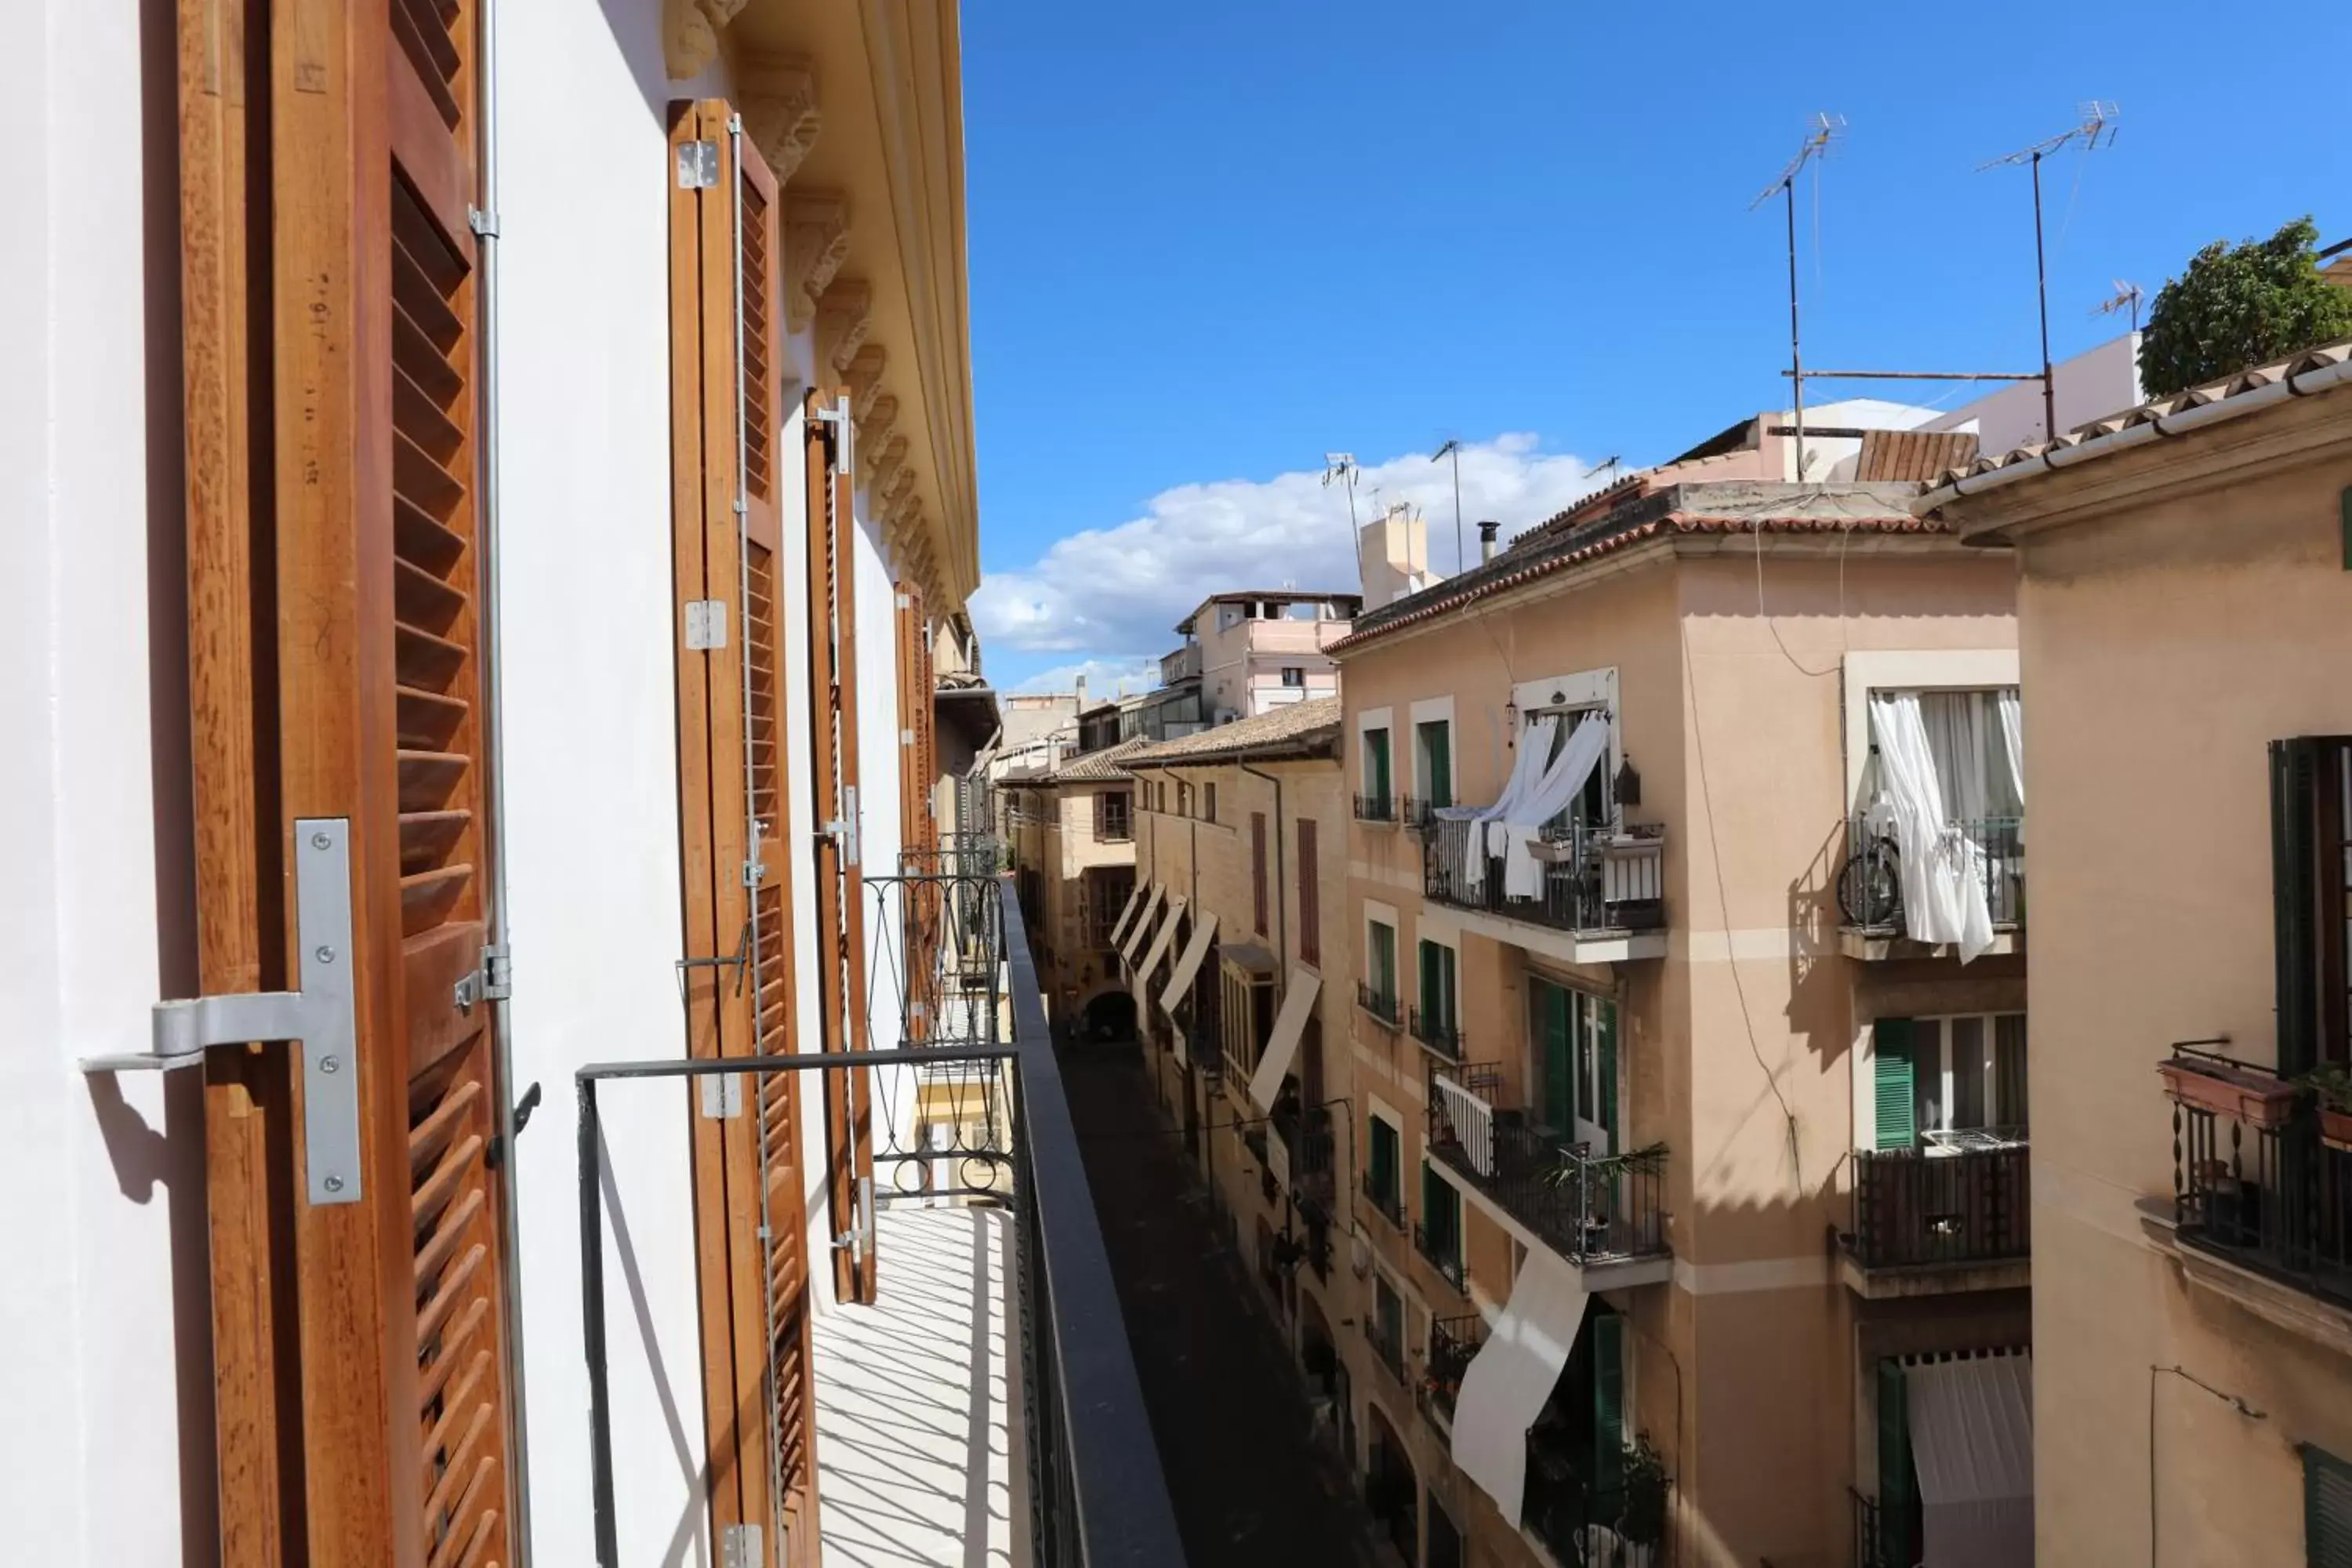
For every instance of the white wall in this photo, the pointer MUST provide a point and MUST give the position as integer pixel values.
(878, 723)
(106, 1383)
(589, 690)
(2091, 385)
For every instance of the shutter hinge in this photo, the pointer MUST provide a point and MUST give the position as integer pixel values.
(739, 1547)
(493, 981)
(906, 737)
(723, 1096)
(698, 165)
(485, 224)
(742, 506)
(322, 1018)
(905, 603)
(836, 414)
(706, 624)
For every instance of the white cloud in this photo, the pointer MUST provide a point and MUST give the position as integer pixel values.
(1116, 593)
(1102, 676)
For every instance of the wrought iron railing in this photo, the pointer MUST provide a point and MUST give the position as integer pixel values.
(1309, 1147)
(1382, 1005)
(1870, 883)
(1588, 1208)
(1870, 1549)
(1618, 1525)
(1441, 1035)
(1585, 879)
(1376, 808)
(1387, 1349)
(1389, 1206)
(1452, 1343)
(1442, 1249)
(2253, 1180)
(1915, 1208)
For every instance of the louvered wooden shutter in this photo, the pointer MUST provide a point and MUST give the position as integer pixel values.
(2310, 877)
(1310, 895)
(750, 1222)
(1257, 869)
(1894, 1102)
(1897, 1484)
(2326, 1509)
(1608, 1404)
(840, 883)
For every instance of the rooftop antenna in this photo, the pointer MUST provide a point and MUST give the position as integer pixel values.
(1339, 469)
(2095, 129)
(1608, 465)
(1825, 131)
(1452, 449)
(2126, 296)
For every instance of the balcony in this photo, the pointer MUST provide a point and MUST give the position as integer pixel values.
(1620, 1524)
(1452, 1343)
(1441, 1036)
(1605, 1214)
(2262, 1183)
(1598, 894)
(1930, 1221)
(1301, 1155)
(1378, 809)
(1415, 814)
(1382, 1005)
(1389, 1206)
(1441, 1252)
(1870, 887)
(1869, 1550)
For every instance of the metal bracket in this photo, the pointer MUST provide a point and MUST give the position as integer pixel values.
(859, 1239)
(485, 224)
(706, 624)
(845, 433)
(698, 165)
(722, 1095)
(493, 981)
(323, 1016)
(739, 1547)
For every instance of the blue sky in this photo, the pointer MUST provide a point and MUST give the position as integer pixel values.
(1209, 243)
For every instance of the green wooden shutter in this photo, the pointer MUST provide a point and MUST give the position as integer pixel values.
(1896, 1481)
(1432, 983)
(1438, 1215)
(2295, 789)
(1376, 755)
(1451, 1000)
(1605, 1029)
(1384, 1160)
(1437, 744)
(2326, 1509)
(1898, 1105)
(1559, 1056)
(1607, 1403)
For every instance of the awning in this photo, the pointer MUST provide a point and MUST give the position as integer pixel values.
(1506, 1384)
(1289, 1023)
(1972, 1442)
(1126, 913)
(1161, 943)
(1250, 958)
(1143, 923)
(1189, 964)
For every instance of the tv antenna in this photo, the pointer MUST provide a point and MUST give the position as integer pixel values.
(1452, 449)
(1608, 465)
(2126, 296)
(2094, 130)
(1826, 132)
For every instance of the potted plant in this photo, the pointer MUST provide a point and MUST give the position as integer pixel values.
(2256, 1096)
(1642, 1519)
(2333, 1085)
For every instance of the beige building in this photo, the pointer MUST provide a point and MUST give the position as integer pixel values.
(1069, 830)
(1249, 652)
(1695, 1201)
(2185, 601)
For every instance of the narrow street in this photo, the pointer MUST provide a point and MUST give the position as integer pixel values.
(1226, 1401)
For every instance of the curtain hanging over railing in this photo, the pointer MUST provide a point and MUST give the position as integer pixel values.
(1943, 869)
(1541, 786)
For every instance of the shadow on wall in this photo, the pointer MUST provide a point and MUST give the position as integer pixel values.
(1816, 972)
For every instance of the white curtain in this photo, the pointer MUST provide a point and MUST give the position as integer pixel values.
(2013, 742)
(1943, 872)
(1542, 787)
(1526, 766)
(1955, 723)
(1506, 1384)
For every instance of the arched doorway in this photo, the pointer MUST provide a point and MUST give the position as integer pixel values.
(1108, 1019)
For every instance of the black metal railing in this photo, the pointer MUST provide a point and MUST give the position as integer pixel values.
(1382, 1005)
(1376, 808)
(1417, 814)
(2253, 1178)
(1441, 1249)
(1452, 1343)
(1096, 1492)
(1915, 1208)
(1617, 1525)
(1870, 883)
(1389, 1206)
(1588, 1208)
(1587, 879)
(1310, 1144)
(1387, 1349)
(1441, 1035)
(1870, 1549)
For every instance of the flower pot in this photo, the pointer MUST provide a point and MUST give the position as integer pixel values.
(2249, 1094)
(2336, 1126)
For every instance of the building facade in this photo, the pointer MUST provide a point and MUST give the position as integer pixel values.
(1071, 843)
(2185, 607)
(1246, 652)
(1694, 1148)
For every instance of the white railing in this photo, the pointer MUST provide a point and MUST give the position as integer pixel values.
(1472, 1120)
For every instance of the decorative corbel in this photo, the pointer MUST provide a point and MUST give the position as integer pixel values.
(690, 31)
(864, 372)
(779, 113)
(842, 314)
(816, 242)
(874, 429)
(888, 450)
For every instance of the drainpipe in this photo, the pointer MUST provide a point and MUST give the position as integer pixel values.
(494, 961)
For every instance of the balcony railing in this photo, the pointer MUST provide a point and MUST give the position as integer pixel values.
(1308, 1146)
(1588, 1208)
(1616, 1526)
(1452, 1343)
(1440, 1250)
(1442, 1035)
(1914, 1208)
(2253, 1180)
(1587, 880)
(1869, 1550)
(1388, 1205)
(1387, 1351)
(1870, 883)
(1382, 1005)
(1376, 808)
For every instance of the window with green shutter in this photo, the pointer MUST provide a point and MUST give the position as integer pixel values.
(2311, 894)
(1551, 1005)
(1437, 762)
(2326, 1509)
(1376, 764)
(1437, 985)
(1893, 1098)
(1607, 1403)
(1384, 1164)
(1897, 1482)
(1604, 1029)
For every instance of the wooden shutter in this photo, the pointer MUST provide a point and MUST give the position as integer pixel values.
(1310, 895)
(2326, 1509)
(734, 813)
(1554, 1007)
(1894, 1102)
(2311, 864)
(1257, 869)
(1604, 1036)
(840, 884)
(1898, 1485)
(918, 853)
(1607, 1403)
(1384, 1160)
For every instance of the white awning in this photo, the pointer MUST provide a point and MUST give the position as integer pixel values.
(1143, 923)
(1188, 964)
(1161, 943)
(1506, 1384)
(1289, 1023)
(1972, 1442)
(1126, 912)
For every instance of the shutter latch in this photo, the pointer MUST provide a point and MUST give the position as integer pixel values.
(323, 1016)
(493, 981)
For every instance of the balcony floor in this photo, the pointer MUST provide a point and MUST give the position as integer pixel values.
(917, 1402)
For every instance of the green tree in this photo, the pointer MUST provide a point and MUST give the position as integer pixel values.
(2239, 305)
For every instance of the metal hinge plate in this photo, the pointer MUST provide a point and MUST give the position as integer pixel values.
(698, 165)
(739, 1547)
(706, 624)
(323, 1016)
(722, 1095)
(483, 224)
(845, 432)
(493, 981)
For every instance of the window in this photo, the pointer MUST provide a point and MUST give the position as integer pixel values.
(1113, 821)
(1441, 1223)
(1968, 739)
(1388, 1324)
(1248, 1008)
(2326, 1509)
(1383, 1169)
(1293, 675)
(1591, 806)
(1208, 802)
(1437, 985)
(1433, 762)
(2311, 859)
(1380, 967)
(1376, 773)
(1573, 1047)
(1949, 1082)
(1105, 894)
(1184, 798)
(1310, 899)
(1310, 1062)
(1257, 869)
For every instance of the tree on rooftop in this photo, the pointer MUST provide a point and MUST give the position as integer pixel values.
(2239, 305)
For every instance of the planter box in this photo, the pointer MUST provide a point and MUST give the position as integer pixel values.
(2246, 1094)
(2336, 1127)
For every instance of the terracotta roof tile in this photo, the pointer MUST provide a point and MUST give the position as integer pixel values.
(1289, 728)
(1096, 767)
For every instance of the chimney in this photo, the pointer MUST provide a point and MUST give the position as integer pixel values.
(1487, 531)
(1082, 694)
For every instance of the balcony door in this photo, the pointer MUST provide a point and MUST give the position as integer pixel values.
(1576, 1048)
